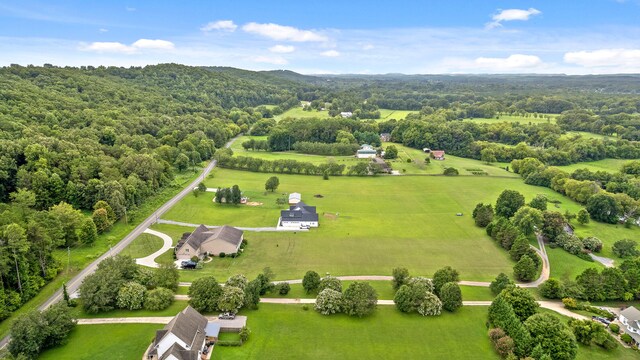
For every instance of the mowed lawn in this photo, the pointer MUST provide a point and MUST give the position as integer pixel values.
(608, 165)
(289, 332)
(514, 118)
(368, 225)
(417, 165)
(105, 342)
(298, 113)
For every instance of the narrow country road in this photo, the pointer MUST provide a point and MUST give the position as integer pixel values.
(74, 283)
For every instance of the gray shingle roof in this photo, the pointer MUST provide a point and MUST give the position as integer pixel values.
(188, 326)
(633, 315)
(202, 233)
(299, 212)
(180, 353)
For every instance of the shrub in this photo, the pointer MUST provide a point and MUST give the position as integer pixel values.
(400, 277)
(495, 334)
(244, 334)
(158, 299)
(305, 307)
(329, 302)
(311, 281)
(222, 254)
(360, 299)
(430, 306)
(283, 288)
(551, 289)
(615, 328)
(626, 338)
(500, 283)
(131, 296)
(625, 248)
(451, 171)
(330, 282)
(505, 346)
(592, 243)
(451, 296)
(570, 303)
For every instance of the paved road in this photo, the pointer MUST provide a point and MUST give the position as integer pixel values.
(236, 323)
(602, 260)
(256, 229)
(150, 261)
(74, 283)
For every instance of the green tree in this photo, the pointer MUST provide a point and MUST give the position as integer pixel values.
(252, 294)
(202, 187)
(88, 231)
(553, 336)
(236, 195)
(391, 152)
(232, 299)
(131, 296)
(400, 277)
(360, 299)
(451, 296)
(502, 315)
(625, 248)
(430, 306)
(519, 248)
(311, 281)
(101, 220)
(182, 162)
(525, 269)
(508, 203)
(500, 283)
(443, 276)
(603, 207)
(583, 216)
(166, 276)
(329, 302)
(330, 282)
(551, 289)
(60, 322)
(528, 219)
(483, 214)
(522, 301)
(239, 281)
(272, 184)
(488, 156)
(204, 294)
(451, 171)
(539, 202)
(158, 299)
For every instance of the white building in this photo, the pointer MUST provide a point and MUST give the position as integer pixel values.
(294, 198)
(630, 318)
(346, 114)
(366, 152)
(299, 216)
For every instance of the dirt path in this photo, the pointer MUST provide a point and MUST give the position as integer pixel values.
(150, 261)
(256, 229)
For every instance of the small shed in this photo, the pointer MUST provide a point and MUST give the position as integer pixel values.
(438, 154)
(212, 331)
(294, 198)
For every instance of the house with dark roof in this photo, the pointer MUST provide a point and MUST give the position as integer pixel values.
(205, 241)
(630, 318)
(183, 338)
(300, 216)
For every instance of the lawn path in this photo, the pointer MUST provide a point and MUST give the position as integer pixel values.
(256, 229)
(602, 260)
(150, 261)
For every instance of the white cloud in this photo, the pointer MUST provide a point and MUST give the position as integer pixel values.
(368, 47)
(511, 15)
(130, 9)
(330, 53)
(283, 33)
(117, 47)
(110, 47)
(604, 58)
(515, 61)
(222, 25)
(282, 49)
(153, 44)
(276, 60)
(103, 30)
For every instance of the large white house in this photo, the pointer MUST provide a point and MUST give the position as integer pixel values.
(299, 216)
(183, 338)
(366, 152)
(630, 318)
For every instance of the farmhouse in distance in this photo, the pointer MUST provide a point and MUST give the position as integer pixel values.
(300, 216)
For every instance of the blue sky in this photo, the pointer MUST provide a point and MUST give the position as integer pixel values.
(374, 36)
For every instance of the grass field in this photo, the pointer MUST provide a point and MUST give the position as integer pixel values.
(282, 331)
(298, 113)
(105, 342)
(143, 245)
(383, 222)
(515, 118)
(436, 167)
(608, 165)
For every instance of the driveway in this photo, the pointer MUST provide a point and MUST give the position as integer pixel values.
(150, 260)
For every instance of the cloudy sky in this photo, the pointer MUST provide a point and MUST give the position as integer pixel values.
(373, 36)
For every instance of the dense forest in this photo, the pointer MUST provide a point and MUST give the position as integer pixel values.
(83, 147)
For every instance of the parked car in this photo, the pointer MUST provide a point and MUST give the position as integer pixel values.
(227, 316)
(601, 319)
(188, 264)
